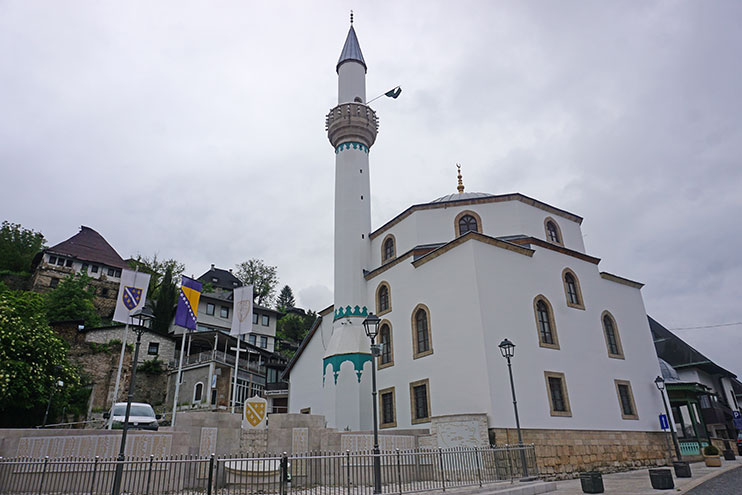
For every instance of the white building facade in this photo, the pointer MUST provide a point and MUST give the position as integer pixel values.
(450, 280)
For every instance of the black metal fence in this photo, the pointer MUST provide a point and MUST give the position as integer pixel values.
(402, 471)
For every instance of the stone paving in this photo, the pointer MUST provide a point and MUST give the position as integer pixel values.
(637, 482)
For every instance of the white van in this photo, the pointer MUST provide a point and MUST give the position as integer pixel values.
(141, 416)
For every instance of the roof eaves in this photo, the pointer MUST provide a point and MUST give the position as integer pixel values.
(476, 236)
(494, 198)
(302, 346)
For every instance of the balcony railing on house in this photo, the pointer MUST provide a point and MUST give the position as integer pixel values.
(402, 471)
(218, 356)
(691, 447)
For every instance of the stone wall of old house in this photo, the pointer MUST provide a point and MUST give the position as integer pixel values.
(152, 389)
(165, 344)
(101, 367)
(106, 291)
(562, 453)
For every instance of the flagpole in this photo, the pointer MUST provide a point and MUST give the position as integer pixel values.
(121, 357)
(382, 94)
(234, 386)
(180, 371)
(118, 374)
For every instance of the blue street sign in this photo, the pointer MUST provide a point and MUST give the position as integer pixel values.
(737, 414)
(663, 422)
(737, 423)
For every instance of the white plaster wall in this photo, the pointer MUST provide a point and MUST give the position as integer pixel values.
(352, 225)
(351, 82)
(507, 290)
(498, 219)
(480, 294)
(688, 375)
(455, 369)
(698, 376)
(728, 393)
(305, 384)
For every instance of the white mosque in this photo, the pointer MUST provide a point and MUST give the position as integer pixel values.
(450, 280)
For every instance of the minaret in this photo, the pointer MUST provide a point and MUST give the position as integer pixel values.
(351, 129)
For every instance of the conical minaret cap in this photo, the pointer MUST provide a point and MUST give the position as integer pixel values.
(351, 50)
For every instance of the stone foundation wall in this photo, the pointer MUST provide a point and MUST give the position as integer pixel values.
(564, 453)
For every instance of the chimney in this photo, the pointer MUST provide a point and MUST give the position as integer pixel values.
(230, 270)
(212, 266)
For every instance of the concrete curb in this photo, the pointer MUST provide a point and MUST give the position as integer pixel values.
(529, 488)
(707, 477)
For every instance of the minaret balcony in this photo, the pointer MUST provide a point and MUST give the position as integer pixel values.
(352, 122)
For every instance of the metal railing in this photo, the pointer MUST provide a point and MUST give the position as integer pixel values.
(402, 471)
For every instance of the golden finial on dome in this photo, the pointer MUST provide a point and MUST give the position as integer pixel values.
(460, 187)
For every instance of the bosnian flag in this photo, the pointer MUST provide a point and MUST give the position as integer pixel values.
(132, 294)
(242, 314)
(190, 293)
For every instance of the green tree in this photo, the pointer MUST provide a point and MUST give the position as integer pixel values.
(73, 300)
(294, 327)
(285, 299)
(163, 287)
(262, 277)
(158, 270)
(32, 359)
(164, 302)
(18, 246)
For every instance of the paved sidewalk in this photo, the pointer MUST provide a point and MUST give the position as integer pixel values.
(637, 482)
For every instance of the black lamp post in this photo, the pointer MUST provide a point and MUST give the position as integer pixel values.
(138, 320)
(660, 383)
(507, 349)
(371, 326)
(57, 383)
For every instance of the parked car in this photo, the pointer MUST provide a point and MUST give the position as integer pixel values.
(141, 416)
(739, 443)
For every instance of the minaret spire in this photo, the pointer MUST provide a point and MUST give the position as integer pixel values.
(460, 187)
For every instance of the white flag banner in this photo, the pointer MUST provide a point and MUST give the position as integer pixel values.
(242, 313)
(132, 294)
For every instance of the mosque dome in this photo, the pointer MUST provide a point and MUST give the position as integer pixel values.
(461, 197)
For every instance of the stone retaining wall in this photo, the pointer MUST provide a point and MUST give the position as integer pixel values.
(563, 453)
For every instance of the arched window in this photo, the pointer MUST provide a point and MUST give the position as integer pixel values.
(612, 340)
(383, 299)
(553, 233)
(547, 335)
(388, 249)
(387, 352)
(198, 391)
(421, 338)
(467, 221)
(572, 289)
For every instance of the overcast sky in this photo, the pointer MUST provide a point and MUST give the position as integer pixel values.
(195, 130)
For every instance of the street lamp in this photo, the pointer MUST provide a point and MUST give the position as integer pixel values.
(138, 320)
(507, 349)
(660, 384)
(57, 383)
(371, 326)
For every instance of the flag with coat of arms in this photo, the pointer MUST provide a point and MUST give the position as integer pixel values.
(190, 294)
(132, 295)
(242, 314)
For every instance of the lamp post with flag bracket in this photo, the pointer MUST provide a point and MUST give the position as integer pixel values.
(139, 327)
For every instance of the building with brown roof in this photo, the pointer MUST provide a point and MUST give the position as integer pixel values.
(85, 251)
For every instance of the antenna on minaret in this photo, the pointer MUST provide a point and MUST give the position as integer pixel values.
(351, 17)
(460, 187)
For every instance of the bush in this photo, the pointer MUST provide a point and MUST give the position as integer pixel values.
(153, 367)
(710, 450)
